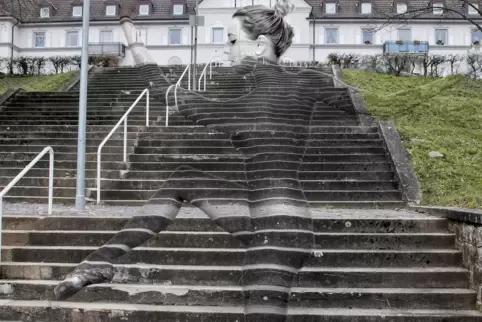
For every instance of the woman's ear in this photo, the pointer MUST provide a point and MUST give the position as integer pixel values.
(262, 45)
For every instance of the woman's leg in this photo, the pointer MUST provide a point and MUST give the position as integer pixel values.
(228, 207)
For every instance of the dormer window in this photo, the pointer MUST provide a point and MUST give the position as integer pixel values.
(330, 7)
(438, 8)
(366, 8)
(401, 8)
(77, 11)
(45, 12)
(473, 9)
(110, 10)
(144, 9)
(178, 9)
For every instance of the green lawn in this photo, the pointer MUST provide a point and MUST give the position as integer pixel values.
(48, 83)
(447, 115)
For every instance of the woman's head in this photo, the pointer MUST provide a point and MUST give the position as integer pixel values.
(262, 30)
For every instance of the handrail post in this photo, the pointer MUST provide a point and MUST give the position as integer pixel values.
(147, 108)
(167, 105)
(51, 183)
(211, 70)
(189, 78)
(125, 140)
(123, 119)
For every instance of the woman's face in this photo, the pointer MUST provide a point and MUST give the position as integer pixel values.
(239, 44)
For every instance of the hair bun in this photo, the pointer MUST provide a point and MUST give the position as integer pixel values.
(283, 7)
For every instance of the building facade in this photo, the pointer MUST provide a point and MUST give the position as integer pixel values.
(54, 28)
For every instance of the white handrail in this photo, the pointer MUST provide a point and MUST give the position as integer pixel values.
(176, 86)
(20, 176)
(210, 64)
(123, 119)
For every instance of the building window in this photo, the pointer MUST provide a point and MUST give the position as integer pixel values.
(218, 35)
(72, 39)
(331, 35)
(44, 12)
(39, 39)
(366, 8)
(441, 36)
(476, 36)
(404, 34)
(330, 8)
(144, 10)
(401, 8)
(473, 9)
(110, 10)
(77, 11)
(106, 36)
(178, 9)
(438, 8)
(367, 36)
(174, 36)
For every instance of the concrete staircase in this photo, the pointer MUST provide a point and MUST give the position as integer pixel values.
(369, 265)
(346, 164)
(32, 120)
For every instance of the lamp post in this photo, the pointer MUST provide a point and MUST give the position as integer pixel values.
(81, 141)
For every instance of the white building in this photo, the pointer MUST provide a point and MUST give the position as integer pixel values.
(162, 26)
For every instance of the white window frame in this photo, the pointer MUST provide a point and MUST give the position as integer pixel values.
(111, 32)
(47, 9)
(446, 40)
(179, 11)
(67, 38)
(212, 35)
(330, 8)
(112, 7)
(144, 12)
(364, 30)
(180, 36)
(74, 11)
(402, 8)
(35, 33)
(471, 10)
(366, 8)
(407, 29)
(438, 8)
(337, 38)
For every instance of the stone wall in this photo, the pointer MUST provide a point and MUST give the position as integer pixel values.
(468, 238)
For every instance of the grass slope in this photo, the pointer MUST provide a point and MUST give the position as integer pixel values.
(48, 83)
(447, 115)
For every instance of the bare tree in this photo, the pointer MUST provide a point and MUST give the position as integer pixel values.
(22, 10)
(459, 11)
(474, 61)
(453, 61)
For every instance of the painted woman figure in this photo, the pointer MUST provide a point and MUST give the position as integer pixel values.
(270, 127)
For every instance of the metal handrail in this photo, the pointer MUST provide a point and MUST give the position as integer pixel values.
(20, 176)
(210, 64)
(176, 86)
(123, 119)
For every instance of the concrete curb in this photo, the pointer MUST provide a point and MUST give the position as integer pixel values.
(357, 99)
(403, 168)
(473, 216)
(9, 94)
(67, 87)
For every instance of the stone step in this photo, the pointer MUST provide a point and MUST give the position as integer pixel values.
(235, 256)
(241, 175)
(68, 118)
(306, 297)
(397, 277)
(168, 137)
(59, 192)
(106, 128)
(69, 154)
(193, 219)
(49, 122)
(104, 312)
(261, 142)
(65, 135)
(236, 165)
(181, 239)
(62, 164)
(260, 195)
(41, 175)
(258, 184)
(112, 112)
